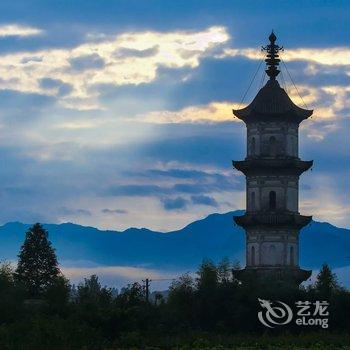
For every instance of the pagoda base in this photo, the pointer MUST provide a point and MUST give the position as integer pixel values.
(287, 274)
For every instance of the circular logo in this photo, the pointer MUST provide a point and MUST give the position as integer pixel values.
(275, 313)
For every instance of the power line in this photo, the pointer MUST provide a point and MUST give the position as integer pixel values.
(262, 79)
(284, 84)
(251, 82)
(294, 84)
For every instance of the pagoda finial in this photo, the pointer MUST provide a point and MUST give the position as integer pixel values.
(272, 60)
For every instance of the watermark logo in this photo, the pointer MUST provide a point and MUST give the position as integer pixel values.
(274, 313)
(307, 313)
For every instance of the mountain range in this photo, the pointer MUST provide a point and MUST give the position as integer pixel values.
(213, 237)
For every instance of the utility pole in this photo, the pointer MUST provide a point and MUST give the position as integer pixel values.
(147, 284)
(147, 281)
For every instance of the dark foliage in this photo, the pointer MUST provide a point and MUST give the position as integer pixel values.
(37, 266)
(210, 311)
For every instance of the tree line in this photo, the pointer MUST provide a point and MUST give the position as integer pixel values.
(40, 309)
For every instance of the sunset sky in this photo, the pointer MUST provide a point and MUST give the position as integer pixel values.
(118, 113)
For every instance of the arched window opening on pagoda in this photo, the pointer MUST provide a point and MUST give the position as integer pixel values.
(272, 200)
(252, 200)
(253, 146)
(272, 254)
(291, 253)
(253, 256)
(272, 146)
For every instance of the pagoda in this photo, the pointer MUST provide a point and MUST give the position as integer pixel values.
(272, 169)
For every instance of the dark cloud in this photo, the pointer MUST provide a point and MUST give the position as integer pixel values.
(136, 190)
(177, 173)
(217, 183)
(87, 62)
(114, 211)
(204, 200)
(28, 59)
(323, 75)
(215, 80)
(28, 101)
(126, 52)
(195, 188)
(62, 87)
(200, 177)
(73, 211)
(178, 203)
(197, 144)
(177, 88)
(20, 111)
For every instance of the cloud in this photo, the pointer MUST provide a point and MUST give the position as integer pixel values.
(92, 64)
(56, 86)
(177, 203)
(207, 183)
(120, 276)
(204, 200)
(146, 116)
(179, 173)
(126, 52)
(85, 62)
(333, 196)
(136, 190)
(214, 112)
(114, 211)
(19, 30)
(323, 81)
(325, 56)
(204, 175)
(64, 211)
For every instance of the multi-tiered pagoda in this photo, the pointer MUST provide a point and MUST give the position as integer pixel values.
(272, 168)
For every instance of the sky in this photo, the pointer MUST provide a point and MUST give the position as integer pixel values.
(118, 114)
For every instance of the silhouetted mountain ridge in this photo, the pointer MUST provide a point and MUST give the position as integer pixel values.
(214, 237)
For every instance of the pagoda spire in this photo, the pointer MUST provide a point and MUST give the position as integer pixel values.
(272, 58)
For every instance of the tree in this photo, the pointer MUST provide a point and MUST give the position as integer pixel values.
(10, 296)
(207, 284)
(132, 295)
(37, 266)
(326, 282)
(91, 292)
(181, 300)
(224, 271)
(6, 275)
(58, 294)
(207, 279)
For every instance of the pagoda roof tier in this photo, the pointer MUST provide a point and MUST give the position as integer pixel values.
(272, 104)
(270, 219)
(286, 166)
